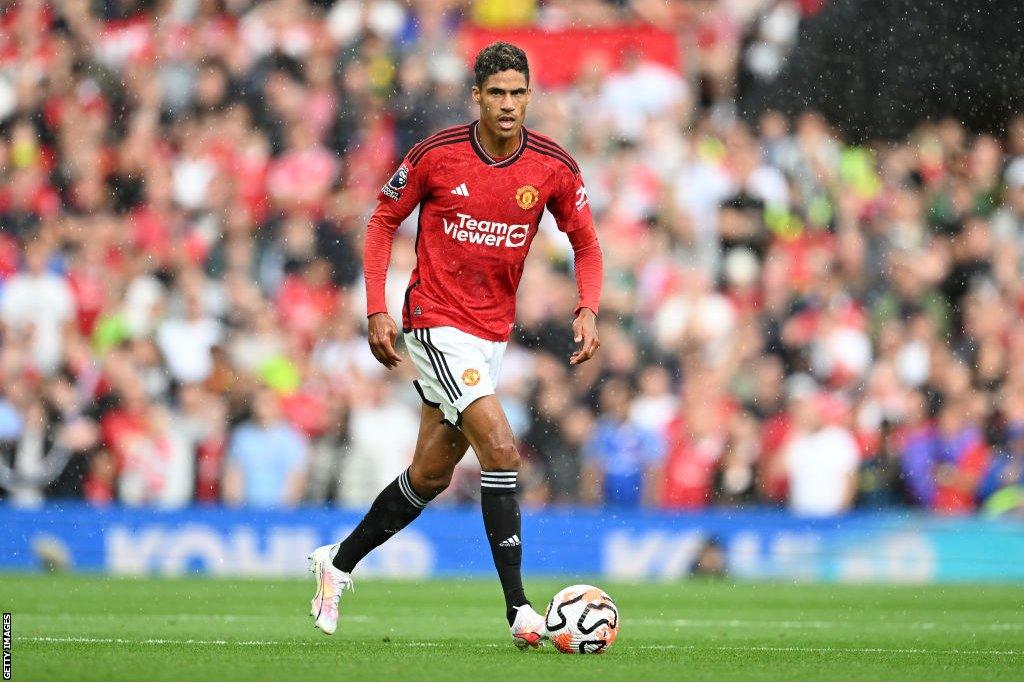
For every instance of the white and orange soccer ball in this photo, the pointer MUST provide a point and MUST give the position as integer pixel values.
(582, 620)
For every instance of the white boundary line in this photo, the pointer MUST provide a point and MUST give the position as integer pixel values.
(816, 624)
(157, 641)
(653, 621)
(854, 650)
(303, 643)
(360, 618)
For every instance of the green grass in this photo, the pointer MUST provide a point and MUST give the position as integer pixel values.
(89, 627)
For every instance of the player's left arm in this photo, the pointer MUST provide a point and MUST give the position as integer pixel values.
(571, 209)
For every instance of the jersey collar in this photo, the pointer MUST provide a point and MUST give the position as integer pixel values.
(474, 141)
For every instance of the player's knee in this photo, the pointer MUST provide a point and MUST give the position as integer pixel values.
(430, 481)
(502, 455)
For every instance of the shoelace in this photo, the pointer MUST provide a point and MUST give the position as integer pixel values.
(341, 583)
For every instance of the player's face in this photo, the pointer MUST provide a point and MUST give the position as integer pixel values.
(503, 100)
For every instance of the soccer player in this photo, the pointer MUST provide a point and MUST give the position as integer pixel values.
(481, 189)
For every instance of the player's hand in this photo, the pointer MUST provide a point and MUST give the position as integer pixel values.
(584, 333)
(382, 334)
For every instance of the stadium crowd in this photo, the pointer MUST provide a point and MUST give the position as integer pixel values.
(789, 320)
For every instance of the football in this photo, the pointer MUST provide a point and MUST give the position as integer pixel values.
(582, 619)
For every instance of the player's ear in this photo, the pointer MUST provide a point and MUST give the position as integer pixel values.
(476, 94)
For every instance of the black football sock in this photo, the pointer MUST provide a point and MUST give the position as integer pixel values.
(503, 525)
(396, 506)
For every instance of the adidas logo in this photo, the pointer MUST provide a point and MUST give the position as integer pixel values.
(461, 190)
(510, 542)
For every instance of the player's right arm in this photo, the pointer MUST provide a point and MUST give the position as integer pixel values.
(398, 197)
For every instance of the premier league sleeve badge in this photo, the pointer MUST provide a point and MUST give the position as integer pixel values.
(394, 186)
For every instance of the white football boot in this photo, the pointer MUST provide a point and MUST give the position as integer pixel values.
(528, 629)
(330, 582)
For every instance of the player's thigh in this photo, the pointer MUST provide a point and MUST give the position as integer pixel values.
(486, 427)
(439, 447)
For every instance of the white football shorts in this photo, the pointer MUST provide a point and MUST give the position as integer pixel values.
(455, 368)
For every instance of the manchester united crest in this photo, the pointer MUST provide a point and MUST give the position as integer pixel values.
(470, 377)
(527, 197)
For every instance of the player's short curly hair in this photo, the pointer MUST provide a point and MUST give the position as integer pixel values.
(498, 57)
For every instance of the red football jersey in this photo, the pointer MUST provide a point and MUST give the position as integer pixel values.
(478, 217)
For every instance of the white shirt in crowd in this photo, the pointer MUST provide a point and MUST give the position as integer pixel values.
(820, 466)
(647, 91)
(158, 471)
(382, 441)
(653, 413)
(41, 304)
(186, 345)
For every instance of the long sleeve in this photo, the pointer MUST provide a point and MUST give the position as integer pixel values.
(571, 209)
(589, 266)
(380, 234)
(397, 198)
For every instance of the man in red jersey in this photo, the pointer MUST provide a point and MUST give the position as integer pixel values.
(481, 189)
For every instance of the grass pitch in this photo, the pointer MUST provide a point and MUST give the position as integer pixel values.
(89, 628)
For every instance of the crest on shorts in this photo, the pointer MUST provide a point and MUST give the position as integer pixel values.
(527, 196)
(470, 377)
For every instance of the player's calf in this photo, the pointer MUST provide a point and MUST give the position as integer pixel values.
(429, 481)
(394, 509)
(503, 524)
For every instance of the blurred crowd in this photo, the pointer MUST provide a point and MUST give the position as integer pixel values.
(789, 320)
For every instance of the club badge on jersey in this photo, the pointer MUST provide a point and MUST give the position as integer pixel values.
(527, 197)
(393, 188)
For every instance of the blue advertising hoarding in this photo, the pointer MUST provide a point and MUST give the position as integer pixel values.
(625, 545)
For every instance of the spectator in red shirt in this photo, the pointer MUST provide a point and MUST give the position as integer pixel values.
(307, 301)
(302, 176)
(697, 439)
